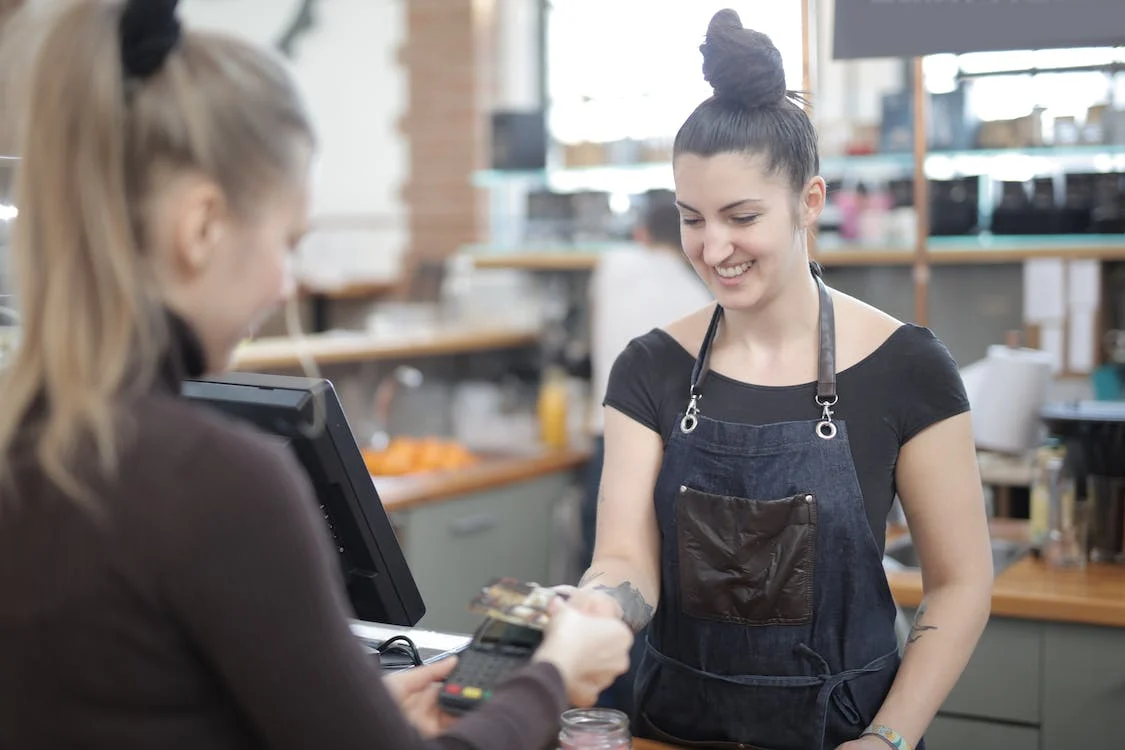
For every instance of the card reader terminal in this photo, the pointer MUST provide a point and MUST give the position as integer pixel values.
(497, 649)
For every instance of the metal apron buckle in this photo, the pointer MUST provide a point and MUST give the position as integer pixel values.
(826, 428)
(691, 417)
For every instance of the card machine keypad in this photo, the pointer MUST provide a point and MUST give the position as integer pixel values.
(496, 650)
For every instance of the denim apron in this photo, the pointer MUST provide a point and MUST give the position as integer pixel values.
(775, 629)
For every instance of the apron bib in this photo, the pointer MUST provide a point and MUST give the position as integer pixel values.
(775, 629)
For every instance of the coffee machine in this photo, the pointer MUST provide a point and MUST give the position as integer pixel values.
(1094, 435)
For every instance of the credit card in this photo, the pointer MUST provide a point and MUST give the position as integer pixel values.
(515, 602)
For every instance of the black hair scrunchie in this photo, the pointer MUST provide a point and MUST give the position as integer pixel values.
(149, 31)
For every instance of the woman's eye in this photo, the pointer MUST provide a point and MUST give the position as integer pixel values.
(688, 222)
(744, 219)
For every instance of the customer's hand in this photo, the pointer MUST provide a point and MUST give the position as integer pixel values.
(416, 693)
(590, 651)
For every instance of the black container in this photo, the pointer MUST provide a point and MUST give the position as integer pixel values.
(519, 140)
(1094, 434)
(1108, 215)
(1078, 204)
(953, 207)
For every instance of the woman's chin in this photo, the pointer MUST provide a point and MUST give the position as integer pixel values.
(742, 297)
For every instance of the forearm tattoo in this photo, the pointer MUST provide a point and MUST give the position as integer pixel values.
(918, 628)
(590, 575)
(636, 612)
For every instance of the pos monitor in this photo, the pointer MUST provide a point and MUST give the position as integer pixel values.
(378, 579)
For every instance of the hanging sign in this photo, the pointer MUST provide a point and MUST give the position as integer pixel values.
(913, 28)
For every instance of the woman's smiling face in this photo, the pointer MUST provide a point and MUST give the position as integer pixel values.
(742, 225)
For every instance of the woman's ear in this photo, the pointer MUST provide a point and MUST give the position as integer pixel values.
(813, 197)
(201, 222)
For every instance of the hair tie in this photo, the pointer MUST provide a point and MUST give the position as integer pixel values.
(149, 31)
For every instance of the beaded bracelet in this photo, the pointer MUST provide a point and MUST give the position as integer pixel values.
(888, 735)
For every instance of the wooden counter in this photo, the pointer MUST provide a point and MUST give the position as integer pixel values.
(402, 493)
(1029, 589)
(639, 744)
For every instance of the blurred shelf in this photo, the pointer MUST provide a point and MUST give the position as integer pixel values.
(562, 260)
(637, 178)
(863, 256)
(1016, 248)
(358, 290)
(982, 249)
(611, 178)
(282, 352)
(1020, 164)
(835, 166)
(1001, 164)
(404, 492)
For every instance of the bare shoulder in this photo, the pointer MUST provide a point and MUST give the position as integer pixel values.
(860, 328)
(689, 330)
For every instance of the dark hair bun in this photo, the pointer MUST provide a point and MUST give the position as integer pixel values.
(742, 65)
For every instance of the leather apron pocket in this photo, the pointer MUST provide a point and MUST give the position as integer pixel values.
(746, 561)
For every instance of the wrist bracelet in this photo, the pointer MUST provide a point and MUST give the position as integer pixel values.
(888, 735)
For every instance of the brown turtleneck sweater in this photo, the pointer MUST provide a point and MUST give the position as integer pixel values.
(207, 613)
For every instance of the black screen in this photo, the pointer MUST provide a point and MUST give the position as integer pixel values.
(374, 569)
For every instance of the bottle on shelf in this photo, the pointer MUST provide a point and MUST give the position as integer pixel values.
(1039, 523)
(1065, 545)
(553, 408)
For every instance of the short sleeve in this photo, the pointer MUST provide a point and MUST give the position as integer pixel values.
(933, 390)
(632, 387)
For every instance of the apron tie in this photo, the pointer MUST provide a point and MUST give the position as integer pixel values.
(842, 698)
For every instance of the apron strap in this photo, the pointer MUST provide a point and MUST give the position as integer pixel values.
(703, 361)
(826, 364)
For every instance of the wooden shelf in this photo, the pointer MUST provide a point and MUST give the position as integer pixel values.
(864, 257)
(940, 251)
(360, 290)
(970, 250)
(540, 261)
(401, 493)
(1015, 249)
(282, 352)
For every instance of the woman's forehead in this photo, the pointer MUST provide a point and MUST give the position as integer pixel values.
(722, 179)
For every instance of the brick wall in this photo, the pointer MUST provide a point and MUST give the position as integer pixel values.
(444, 125)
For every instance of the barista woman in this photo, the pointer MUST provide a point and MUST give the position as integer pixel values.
(753, 450)
(165, 581)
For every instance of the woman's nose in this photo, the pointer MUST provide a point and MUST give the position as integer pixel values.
(716, 245)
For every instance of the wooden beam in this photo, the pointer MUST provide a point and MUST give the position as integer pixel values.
(921, 201)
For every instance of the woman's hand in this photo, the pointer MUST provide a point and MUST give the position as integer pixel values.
(416, 693)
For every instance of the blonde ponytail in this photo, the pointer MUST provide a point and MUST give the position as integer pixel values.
(93, 145)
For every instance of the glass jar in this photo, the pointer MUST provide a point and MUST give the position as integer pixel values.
(594, 729)
(1065, 545)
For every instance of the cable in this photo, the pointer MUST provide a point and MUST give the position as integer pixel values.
(407, 646)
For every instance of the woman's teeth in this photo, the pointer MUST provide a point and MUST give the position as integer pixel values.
(730, 272)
